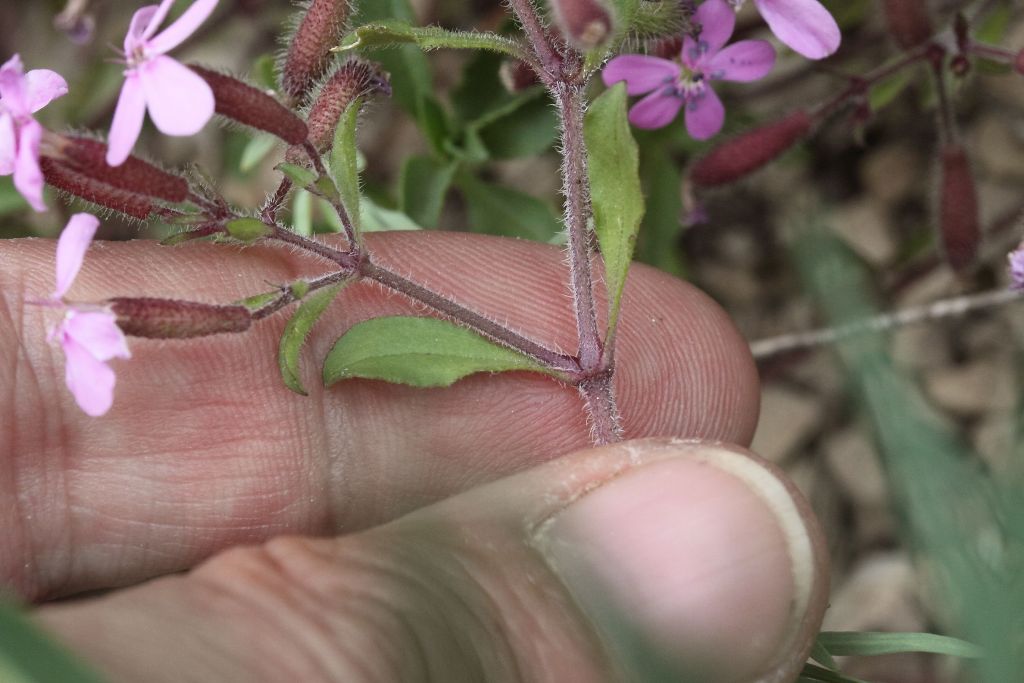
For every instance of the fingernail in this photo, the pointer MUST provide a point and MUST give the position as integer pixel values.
(686, 568)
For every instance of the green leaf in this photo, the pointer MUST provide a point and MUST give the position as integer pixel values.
(345, 160)
(302, 213)
(434, 123)
(393, 32)
(256, 150)
(992, 28)
(498, 210)
(480, 90)
(871, 643)
(264, 72)
(297, 331)
(525, 127)
(423, 185)
(820, 654)
(247, 229)
(658, 242)
(302, 177)
(812, 673)
(419, 352)
(28, 655)
(887, 90)
(615, 189)
(377, 218)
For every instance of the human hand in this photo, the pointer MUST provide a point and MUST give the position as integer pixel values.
(526, 577)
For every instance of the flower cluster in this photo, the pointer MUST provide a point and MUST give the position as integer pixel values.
(179, 101)
(670, 85)
(686, 81)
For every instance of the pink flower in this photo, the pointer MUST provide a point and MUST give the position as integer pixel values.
(88, 333)
(687, 81)
(1016, 259)
(804, 25)
(21, 95)
(179, 101)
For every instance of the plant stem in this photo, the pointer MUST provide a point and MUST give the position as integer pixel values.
(550, 60)
(490, 329)
(577, 208)
(287, 296)
(598, 394)
(348, 261)
(938, 310)
(359, 264)
(276, 201)
(339, 208)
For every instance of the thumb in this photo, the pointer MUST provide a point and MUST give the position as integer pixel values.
(649, 559)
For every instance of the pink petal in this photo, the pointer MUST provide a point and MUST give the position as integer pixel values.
(42, 86)
(12, 87)
(747, 60)
(128, 117)
(717, 20)
(96, 332)
(656, 110)
(158, 18)
(71, 247)
(804, 25)
(641, 73)
(90, 381)
(8, 144)
(704, 115)
(13, 64)
(187, 24)
(1016, 259)
(28, 178)
(141, 21)
(179, 101)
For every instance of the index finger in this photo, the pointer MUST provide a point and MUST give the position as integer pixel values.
(205, 448)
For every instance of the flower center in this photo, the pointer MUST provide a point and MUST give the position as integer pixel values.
(688, 83)
(136, 56)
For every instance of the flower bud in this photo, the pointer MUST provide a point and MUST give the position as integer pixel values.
(85, 187)
(354, 78)
(89, 157)
(909, 23)
(585, 23)
(749, 151)
(249, 106)
(309, 53)
(171, 319)
(958, 209)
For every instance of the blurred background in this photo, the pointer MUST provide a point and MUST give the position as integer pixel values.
(454, 150)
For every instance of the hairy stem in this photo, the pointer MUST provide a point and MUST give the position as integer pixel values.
(287, 295)
(538, 38)
(598, 394)
(339, 208)
(490, 329)
(276, 201)
(577, 209)
(348, 261)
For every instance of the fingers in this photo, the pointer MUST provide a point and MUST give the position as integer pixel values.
(205, 448)
(694, 561)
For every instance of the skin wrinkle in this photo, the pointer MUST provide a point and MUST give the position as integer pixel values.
(18, 573)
